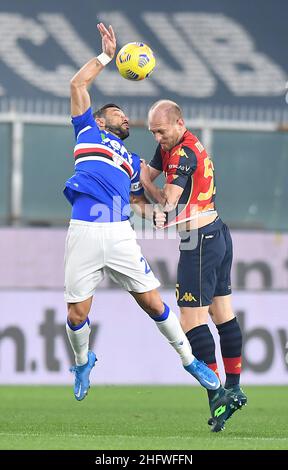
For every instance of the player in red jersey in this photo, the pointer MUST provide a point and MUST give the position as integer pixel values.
(187, 200)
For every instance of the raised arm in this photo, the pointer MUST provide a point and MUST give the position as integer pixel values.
(80, 98)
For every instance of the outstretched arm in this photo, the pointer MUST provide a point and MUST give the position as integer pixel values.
(80, 98)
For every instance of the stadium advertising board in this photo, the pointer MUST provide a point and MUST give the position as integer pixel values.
(129, 348)
(260, 259)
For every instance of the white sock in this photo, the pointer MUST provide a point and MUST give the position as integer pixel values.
(171, 329)
(79, 340)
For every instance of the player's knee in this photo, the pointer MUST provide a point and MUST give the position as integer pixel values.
(77, 313)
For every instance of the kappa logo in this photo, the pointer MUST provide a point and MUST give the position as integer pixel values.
(181, 152)
(188, 297)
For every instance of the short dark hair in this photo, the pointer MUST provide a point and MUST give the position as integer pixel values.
(102, 111)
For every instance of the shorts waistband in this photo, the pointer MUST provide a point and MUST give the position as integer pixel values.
(121, 223)
(217, 224)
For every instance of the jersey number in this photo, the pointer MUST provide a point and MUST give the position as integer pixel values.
(208, 171)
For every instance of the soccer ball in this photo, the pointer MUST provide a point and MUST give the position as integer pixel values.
(135, 61)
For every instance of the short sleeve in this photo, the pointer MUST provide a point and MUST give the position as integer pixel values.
(83, 122)
(156, 161)
(184, 168)
(136, 186)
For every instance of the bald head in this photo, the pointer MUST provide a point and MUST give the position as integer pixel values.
(165, 121)
(167, 109)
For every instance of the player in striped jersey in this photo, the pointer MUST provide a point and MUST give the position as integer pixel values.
(100, 234)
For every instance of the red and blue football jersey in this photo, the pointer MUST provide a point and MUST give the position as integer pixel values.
(188, 165)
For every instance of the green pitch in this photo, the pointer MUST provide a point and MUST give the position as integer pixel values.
(140, 417)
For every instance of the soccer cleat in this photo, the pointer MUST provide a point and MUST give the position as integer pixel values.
(237, 392)
(205, 376)
(82, 382)
(222, 407)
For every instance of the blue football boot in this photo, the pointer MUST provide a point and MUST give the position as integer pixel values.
(82, 382)
(205, 376)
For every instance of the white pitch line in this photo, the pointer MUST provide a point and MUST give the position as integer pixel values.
(137, 437)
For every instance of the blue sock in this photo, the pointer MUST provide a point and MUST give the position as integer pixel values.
(163, 316)
(77, 327)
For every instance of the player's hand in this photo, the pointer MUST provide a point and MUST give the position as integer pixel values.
(144, 173)
(159, 216)
(108, 39)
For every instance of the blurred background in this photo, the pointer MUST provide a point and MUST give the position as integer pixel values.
(225, 63)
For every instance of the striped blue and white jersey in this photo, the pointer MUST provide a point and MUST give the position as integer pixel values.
(104, 169)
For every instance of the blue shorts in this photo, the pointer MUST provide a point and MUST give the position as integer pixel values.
(205, 271)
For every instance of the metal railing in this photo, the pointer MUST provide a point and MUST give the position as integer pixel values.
(17, 120)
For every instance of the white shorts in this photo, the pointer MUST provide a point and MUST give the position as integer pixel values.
(92, 247)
